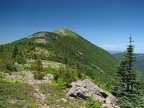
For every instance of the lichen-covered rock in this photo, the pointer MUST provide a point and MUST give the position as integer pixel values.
(85, 88)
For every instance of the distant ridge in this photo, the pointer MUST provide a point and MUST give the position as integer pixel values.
(113, 52)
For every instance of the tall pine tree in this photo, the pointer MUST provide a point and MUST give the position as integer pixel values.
(126, 70)
(128, 86)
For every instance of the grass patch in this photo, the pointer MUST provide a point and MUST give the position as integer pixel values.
(16, 95)
(93, 104)
(55, 96)
(20, 69)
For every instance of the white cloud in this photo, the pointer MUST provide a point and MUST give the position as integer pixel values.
(113, 47)
(109, 46)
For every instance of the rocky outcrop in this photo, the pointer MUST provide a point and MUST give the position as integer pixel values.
(39, 34)
(85, 88)
(28, 77)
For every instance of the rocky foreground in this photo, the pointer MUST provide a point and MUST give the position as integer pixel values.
(84, 89)
(79, 89)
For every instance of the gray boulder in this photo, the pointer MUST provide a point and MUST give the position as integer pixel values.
(85, 88)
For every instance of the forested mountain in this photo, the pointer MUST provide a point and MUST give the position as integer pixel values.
(66, 47)
(38, 70)
(63, 54)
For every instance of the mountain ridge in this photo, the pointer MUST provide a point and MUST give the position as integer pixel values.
(77, 48)
(65, 55)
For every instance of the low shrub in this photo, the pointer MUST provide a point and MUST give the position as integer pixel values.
(92, 103)
(16, 95)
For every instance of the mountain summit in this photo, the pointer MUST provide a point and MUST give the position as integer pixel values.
(65, 32)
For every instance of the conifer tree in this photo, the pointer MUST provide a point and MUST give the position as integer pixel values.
(15, 52)
(126, 70)
(1, 48)
(38, 74)
(128, 87)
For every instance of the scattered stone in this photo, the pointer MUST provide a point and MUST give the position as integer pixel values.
(12, 100)
(41, 41)
(25, 106)
(40, 34)
(64, 100)
(28, 77)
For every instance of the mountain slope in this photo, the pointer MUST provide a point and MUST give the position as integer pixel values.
(66, 47)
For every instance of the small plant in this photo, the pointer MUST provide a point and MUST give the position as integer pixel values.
(92, 103)
(2, 76)
(66, 74)
(59, 83)
(16, 95)
(38, 73)
(7, 65)
(20, 60)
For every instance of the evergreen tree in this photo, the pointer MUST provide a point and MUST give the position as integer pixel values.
(1, 48)
(1, 51)
(38, 67)
(128, 87)
(15, 52)
(126, 70)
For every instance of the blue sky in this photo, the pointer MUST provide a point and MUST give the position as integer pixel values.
(106, 23)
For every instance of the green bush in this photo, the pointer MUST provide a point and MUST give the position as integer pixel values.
(67, 74)
(92, 103)
(20, 60)
(7, 65)
(2, 76)
(51, 70)
(38, 75)
(38, 70)
(59, 83)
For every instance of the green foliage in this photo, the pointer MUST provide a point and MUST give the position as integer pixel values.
(16, 95)
(92, 103)
(14, 52)
(131, 100)
(7, 64)
(138, 64)
(64, 76)
(2, 76)
(38, 70)
(128, 86)
(59, 83)
(50, 70)
(20, 60)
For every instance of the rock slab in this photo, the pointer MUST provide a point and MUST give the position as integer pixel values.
(84, 89)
